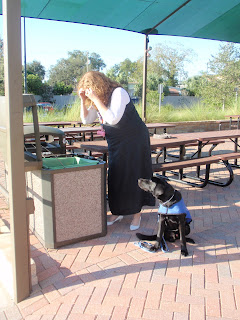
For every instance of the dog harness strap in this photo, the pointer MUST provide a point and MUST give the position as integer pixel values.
(157, 243)
(163, 204)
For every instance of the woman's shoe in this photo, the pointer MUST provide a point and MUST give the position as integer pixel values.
(119, 218)
(133, 227)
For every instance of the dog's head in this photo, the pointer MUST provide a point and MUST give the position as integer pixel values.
(157, 186)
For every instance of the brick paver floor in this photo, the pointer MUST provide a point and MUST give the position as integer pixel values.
(111, 278)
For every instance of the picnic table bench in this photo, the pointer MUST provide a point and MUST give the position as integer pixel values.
(197, 162)
(198, 139)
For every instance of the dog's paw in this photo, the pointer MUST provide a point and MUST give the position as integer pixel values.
(184, 251)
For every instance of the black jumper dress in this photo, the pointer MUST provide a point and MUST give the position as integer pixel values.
(129, 158)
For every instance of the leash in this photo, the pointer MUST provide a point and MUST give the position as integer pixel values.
(170, 198)
(149, 247)
(158, 240)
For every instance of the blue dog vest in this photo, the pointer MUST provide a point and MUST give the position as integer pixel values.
(176, 208)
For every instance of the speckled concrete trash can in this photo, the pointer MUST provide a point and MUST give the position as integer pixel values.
(70, 202)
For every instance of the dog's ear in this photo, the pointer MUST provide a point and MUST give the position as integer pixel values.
(159, 180)
(163, 187)
(147, 185)
(159, 190)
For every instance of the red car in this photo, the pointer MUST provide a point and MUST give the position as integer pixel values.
(46, 106)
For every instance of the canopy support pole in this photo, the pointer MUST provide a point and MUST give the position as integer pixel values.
(147, 32)
(144, 89)
(15, 150)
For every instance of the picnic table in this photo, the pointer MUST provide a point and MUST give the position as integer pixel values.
(160, 125)
(51, 124)
(181, 141)
(231, 117)
(80, 132)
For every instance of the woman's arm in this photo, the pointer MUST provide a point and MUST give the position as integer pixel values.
(114, 113)
(98, 103)
(88, 115)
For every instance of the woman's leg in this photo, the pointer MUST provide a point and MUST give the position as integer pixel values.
(111, 219)
(135, 224)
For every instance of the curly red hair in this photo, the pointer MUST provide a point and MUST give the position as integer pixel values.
(100, 84)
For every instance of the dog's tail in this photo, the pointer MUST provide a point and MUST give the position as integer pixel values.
(141, 236)
(153, 237)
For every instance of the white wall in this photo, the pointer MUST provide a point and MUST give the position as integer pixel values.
(180, 101)
(60, 101)
(176, 101)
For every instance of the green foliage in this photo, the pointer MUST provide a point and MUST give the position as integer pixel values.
(153, 81)
(196, 112)
(168, 113)
(47, 93)
(138, 89)
(70, 70)
(36, 68)
(122, 72)
(168, 63)
(34, 84)
(152, 97)
(219, 88)
(60, 88)
(37, 87)
(193, 86)
(73, 113)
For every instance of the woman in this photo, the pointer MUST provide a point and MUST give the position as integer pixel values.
(129, 155)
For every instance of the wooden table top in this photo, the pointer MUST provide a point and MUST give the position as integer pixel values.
(160, 125)
(175, 141)
(102, 146)
(76, 130)
(213, 135)
(53, 123)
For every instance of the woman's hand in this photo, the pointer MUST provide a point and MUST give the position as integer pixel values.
(91, 94)
(82, 94)
(98, 105)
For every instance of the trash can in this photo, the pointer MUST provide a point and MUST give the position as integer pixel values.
(70, 200)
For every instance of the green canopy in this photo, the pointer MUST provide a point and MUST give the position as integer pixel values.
(209, 19)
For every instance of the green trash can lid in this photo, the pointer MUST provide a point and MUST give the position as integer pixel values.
(67, 162)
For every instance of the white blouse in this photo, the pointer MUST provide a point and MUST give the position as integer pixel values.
(113, 115)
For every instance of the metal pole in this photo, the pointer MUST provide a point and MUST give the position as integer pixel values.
(25, 59)
(160, 100)
(144, 79)
(87, 61)
(15, 149)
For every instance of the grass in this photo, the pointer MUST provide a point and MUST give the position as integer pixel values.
(197, 112)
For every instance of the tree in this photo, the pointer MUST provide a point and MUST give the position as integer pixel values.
(168, 63)
(70, 70)
(37, 87)
(47, 93)
(193, 86)
(60, 88)
(218, 87)
(36, 68)
(123, 72)
(34, 84)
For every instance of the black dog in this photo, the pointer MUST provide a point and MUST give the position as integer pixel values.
(174, 216)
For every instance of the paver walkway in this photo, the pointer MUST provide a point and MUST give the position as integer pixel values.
(111, 278)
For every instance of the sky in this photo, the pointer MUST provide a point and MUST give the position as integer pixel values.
(48, 41)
